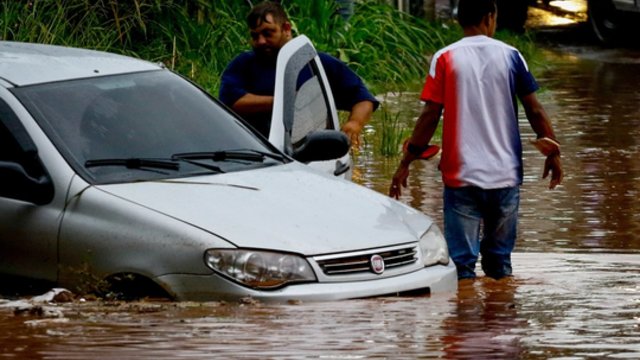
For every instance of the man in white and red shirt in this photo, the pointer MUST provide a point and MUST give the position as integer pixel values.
(476, 81)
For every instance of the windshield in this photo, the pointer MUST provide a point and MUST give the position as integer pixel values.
(106, 122)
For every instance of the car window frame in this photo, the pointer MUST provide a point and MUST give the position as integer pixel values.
(293, 58)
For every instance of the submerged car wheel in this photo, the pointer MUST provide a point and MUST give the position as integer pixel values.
(605, 20)
(132, 287)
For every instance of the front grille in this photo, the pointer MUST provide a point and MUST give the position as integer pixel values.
(361, 262)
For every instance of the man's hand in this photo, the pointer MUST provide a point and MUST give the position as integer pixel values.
(399, 180)
(353, 129)
(422, 133)
(546, 146)
(359, 116)
(552, 164)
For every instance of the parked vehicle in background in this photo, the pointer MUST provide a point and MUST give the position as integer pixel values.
(614, 21)
(118, 174)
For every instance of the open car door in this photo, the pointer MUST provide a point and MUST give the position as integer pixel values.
(303, 104)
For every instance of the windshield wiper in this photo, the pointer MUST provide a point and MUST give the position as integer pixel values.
(198, 163)
(148, 164)
(223, 155)
(134, 163)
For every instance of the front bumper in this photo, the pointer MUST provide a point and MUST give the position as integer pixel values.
(437, 279)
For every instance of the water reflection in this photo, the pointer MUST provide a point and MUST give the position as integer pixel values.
(485, 322)
(359, 329)
(586, 306)
(557, 13)
(576, 6)
(595, 106)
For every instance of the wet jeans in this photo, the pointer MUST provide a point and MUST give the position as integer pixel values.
(481, 222)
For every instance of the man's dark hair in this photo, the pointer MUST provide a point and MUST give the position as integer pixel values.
(259, 13)
(471, 12)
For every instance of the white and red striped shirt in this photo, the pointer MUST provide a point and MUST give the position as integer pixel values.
(477, 79)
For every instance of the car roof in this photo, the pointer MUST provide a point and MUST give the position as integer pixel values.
(27, 63)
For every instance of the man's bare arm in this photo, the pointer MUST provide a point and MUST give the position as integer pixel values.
(427, 124)
(358, 118)
(537, 116)
(422, 133)
(253, 104)
(541, 125)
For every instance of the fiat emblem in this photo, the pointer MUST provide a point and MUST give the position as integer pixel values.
(377, 264)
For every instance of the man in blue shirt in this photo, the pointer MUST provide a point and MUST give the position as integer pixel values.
(248, 81)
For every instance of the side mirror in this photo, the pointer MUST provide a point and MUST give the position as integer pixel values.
(17, 184)
(322, 145)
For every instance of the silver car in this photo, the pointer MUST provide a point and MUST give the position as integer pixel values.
(118, 171)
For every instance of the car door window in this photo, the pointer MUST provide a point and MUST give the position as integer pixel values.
(311, 110)
(303, 103)
(302, 98)
(9, 150)
(15, 144)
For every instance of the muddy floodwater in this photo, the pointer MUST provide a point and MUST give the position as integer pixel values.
(558, 306)
(575, 293)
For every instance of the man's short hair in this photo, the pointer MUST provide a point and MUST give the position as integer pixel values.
(259, 13)
(471, 12)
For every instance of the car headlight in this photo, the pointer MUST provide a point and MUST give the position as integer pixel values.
(259, 269)
(434, 247)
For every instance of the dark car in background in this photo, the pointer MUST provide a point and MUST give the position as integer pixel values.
(612, 20)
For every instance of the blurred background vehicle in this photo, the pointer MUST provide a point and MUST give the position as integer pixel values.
(611, 21)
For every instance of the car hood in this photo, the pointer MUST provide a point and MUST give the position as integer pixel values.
(289, 208)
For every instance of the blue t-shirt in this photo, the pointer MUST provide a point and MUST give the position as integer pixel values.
(249, 74)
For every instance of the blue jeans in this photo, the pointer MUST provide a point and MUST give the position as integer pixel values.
(478, 221)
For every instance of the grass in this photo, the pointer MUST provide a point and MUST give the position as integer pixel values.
(390, 132)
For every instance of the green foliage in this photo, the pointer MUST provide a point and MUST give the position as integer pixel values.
(58, 22)
(389, 48)
(390, 132)
(386, 47)
(198, 38)
(318, 20)
(195, 37)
